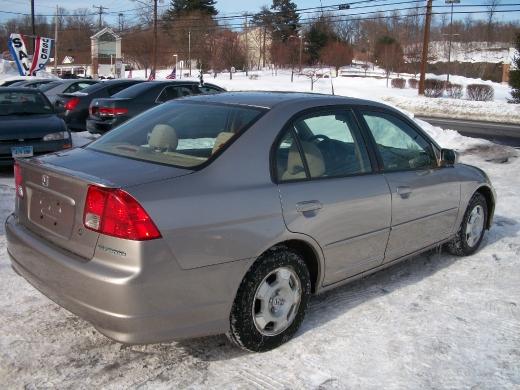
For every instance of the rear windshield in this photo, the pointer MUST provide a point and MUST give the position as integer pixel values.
(23, 103)
(182, 134)
(93, 88)
(47, 86)
(134, 90)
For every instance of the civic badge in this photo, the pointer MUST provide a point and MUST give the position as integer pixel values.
(45, 180)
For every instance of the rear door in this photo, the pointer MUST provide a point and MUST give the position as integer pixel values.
(330, 192)
(425, 198)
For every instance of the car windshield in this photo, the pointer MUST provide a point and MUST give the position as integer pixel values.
(183, 134)
(23, 103)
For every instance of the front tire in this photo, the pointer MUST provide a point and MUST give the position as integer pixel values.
(472, 227)
(271, 301)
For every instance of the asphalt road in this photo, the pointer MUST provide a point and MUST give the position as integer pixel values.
(502, 133)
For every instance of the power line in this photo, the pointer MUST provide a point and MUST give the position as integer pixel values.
(100, 12)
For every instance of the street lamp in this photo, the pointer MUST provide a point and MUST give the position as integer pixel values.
(451, 35)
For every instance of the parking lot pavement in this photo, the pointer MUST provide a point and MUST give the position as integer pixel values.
(435, 321)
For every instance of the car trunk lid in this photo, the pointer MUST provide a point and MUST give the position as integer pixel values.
(55, 188)
(108, 108)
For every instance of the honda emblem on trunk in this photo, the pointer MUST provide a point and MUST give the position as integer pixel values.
(45, 180)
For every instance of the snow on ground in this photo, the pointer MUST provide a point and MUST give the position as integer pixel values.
(435, 321)
(376, 89)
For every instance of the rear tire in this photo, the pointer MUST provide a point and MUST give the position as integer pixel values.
(472, 227)
(271, 301)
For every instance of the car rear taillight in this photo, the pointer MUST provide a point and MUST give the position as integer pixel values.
(71, 104)
(111, 111)
(116, 213)
(18, 178)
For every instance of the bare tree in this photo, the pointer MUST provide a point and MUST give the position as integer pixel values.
(337, 54)
(492, 8)
(231, 51)
(138, 50)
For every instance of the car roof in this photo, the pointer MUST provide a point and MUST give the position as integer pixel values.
(270, 99)
(19, 89)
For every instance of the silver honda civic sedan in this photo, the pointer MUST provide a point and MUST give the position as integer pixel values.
(225, 213)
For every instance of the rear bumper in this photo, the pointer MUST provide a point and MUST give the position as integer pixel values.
(130, 305)
(95, 126)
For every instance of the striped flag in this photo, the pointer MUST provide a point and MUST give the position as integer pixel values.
(173, 74)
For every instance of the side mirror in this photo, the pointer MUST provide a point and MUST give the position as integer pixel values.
(448, 157)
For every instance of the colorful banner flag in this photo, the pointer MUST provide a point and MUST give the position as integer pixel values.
(42, 54)
(173, 74)
(18, 51)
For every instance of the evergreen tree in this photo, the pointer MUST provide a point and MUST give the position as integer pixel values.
(179, 7)
(320, 33)
(514, 74)
(285, 19)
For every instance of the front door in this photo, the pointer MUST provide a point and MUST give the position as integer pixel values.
(425, 198)
(328, 191)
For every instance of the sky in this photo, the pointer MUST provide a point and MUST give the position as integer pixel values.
(225, 7)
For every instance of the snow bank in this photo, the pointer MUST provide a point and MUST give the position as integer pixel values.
(457, 108)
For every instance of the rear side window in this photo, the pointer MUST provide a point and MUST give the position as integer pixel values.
(178, 133)
(330, 145)
(171, 92)
(206, 89)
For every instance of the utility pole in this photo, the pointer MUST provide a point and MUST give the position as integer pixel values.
(121, 21)
(451, 36)
(426, 41)
(154, 59)
(33, 26)
(301, 51)
(101, 10)
(247, 49)
(56, 42)
(189, 48)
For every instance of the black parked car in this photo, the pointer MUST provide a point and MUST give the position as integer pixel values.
(76, 104)
(32, 83)
(29, 125)
(107, 113)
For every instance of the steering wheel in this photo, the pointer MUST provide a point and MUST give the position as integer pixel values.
(319, 136)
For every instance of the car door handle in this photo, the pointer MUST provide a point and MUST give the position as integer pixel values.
(403, 191)
(308, 205)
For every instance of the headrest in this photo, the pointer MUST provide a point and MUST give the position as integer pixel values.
(163, 137)
(314, 157)
(222, 138)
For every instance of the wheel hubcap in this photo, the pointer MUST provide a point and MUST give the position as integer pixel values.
(276, 303)
(475, 225)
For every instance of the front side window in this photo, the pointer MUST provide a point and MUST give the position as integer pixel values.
(178, 133)
(331, 146)
(400, 146)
